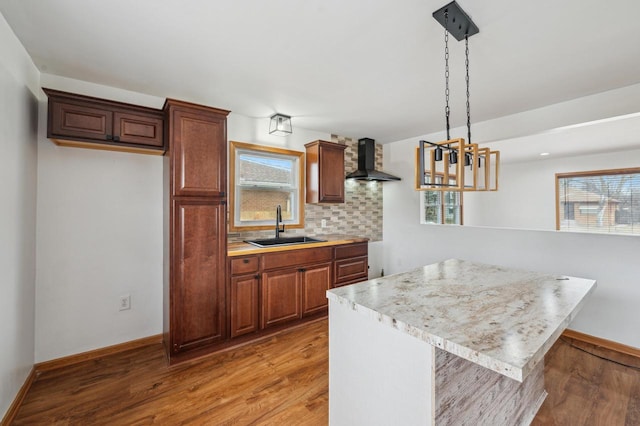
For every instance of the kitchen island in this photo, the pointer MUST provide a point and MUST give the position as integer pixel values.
(455, 342)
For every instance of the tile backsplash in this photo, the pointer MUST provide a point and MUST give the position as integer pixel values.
(360, 214)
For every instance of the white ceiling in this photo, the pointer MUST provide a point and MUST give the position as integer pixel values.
(350, 67)
(607, 135)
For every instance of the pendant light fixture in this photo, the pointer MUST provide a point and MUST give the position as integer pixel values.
(280, 125)
(466, 167)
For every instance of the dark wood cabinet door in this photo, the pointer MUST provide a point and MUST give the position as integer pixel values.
(199, 265)
(244, 304)
(331, 174)
(79, 121)
(280, 297)
(138, 129)
(198, 153)
(316, 280)
(325, 172)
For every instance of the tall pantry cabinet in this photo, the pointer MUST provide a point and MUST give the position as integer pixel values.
(195, 239)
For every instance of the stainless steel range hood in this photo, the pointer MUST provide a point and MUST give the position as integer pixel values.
(367, 163)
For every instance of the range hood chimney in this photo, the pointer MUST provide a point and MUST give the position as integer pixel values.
(367, 163)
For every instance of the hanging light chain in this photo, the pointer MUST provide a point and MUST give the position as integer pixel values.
(466, 62)
(446, 70)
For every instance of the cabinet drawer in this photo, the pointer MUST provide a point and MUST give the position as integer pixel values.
(352, 250)
(244, 265)
(296, 257)
(351, 269)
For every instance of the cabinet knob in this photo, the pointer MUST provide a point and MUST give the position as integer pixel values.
(257, 277)
(109, 137)
(302, 270)
(222, 194)
(116, 138)
(245, 260)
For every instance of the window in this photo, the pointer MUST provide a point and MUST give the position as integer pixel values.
(604, 201)
(261, 179)
(441, 207)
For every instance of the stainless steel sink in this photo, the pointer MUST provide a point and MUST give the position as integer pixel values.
(271, 242)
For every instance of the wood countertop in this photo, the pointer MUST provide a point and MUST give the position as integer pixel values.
(242, 249)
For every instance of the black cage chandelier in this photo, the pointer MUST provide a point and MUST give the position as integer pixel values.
(453, 164)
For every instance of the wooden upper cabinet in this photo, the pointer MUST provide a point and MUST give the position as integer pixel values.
(198, 149)
(325, 172)
(138, 129)
(77, 120)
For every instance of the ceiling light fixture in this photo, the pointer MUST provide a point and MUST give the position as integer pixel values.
(280, 125)
(438, 172)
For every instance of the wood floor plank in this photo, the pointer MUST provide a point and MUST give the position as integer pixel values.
(284, 381)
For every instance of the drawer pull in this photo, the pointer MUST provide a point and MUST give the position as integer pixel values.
(245, 260)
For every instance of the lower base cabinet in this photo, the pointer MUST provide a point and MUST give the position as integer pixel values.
(244, 304)
(268, 291)
(280, 297)
(315, 283)
(197, 280)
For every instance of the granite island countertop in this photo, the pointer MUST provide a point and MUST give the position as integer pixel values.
(500, 318)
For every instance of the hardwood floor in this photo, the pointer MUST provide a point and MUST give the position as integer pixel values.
(284, 381)
(585, 389)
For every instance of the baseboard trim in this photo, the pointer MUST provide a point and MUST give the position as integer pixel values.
(10, 415)
(54, 364)
(607, 344)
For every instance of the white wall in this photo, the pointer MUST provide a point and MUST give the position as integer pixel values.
(18, 167)
(99, 237)
(611, 312)
(526, 199)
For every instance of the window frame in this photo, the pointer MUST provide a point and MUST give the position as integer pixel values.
(234, 146)
(441, 204)
(586, 174)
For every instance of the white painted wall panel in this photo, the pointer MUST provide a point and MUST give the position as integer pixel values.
(99, 237)
(18, 168)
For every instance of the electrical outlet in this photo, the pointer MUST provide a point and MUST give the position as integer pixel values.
(323, 223)
(125, 302)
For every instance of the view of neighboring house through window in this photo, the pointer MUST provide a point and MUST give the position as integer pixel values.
(441, 207)
(606, 201)
(263, 178)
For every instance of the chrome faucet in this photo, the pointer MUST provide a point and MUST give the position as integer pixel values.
(279, 221)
